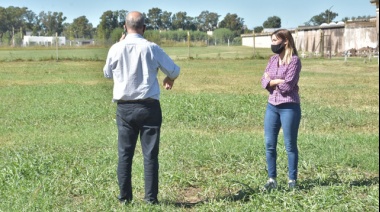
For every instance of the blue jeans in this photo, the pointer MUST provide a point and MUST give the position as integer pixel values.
(287, 116)
(134, 119)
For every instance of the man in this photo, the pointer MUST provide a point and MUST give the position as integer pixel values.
(133, 64)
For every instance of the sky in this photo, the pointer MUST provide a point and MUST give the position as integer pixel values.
(293, 13)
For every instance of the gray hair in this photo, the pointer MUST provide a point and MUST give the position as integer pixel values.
(135, 20)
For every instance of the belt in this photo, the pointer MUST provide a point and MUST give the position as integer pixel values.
(136, 100)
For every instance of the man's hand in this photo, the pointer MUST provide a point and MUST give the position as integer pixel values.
(168, 83)
(122, 37)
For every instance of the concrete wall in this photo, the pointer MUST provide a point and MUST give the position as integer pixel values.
(360, 35)
(322, 40)
(261, 40)
(326, 39)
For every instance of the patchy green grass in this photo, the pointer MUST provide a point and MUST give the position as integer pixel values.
(58, 137)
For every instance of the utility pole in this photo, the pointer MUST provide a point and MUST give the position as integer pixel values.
(56, 43)
(328, 14)
(21, 35)
(13, 37)
(254, 44)
(188, 44)
(322, 44)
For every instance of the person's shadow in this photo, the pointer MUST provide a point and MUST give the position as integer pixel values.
(241, 195)
(305, 185)
(308, 184)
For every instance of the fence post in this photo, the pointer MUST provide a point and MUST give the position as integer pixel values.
(188, 44)
(56, 43)
(322, 46)
(254, 44)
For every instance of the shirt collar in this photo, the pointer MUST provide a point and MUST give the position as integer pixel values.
(134, 35)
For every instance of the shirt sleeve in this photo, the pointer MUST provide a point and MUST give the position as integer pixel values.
(264, 81)
(291, 77)
(110, 63)
(166, 64)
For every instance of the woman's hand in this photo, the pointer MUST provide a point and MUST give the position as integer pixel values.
(276, 82)
(266, 76)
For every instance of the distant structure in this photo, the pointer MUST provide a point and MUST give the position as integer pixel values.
(43, 41)
(376, 3)
(80, 42)
(331, 39)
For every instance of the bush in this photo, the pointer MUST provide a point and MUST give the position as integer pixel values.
(223, 35)
(116, 34)
(153, 36)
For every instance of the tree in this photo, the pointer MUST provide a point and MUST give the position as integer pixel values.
(191, 24)
(68, 32)
(52, 22)
(30, 21)
(3, 22)
(108, 22)
(121, 15)
(207, 21)
(11, 18)
(180, 20)
(3, 17)
(325, 17)
(166, 20)
(365, 17)
(234, 23)
(81, 28)
(154, 16)
(258, 29)
(272, 22)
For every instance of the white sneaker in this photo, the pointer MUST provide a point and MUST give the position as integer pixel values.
(270, 185)
(292, 184)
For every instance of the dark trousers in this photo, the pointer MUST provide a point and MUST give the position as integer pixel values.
(142, 118)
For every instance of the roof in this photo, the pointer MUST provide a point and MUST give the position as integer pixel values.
(375, 2)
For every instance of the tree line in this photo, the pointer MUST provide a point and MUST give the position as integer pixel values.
(16, 21)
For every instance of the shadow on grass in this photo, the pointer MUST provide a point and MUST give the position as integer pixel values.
(241, 195)
(186, 205)
(247, 191)
(332, 181)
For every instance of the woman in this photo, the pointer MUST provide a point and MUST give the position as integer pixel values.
(283, 110)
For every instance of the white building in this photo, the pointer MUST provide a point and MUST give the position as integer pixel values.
(43, 40)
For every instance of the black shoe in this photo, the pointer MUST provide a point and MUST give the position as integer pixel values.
(124, 201)
(152, 202)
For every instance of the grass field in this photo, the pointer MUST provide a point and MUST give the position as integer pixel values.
(98, 54)
(58, 135)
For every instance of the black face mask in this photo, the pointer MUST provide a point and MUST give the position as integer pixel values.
(277, 49)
